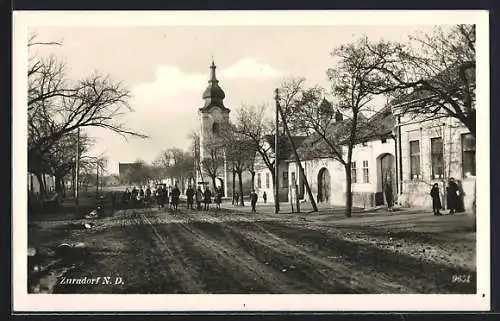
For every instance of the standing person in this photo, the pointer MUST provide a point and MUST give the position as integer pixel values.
(436, 199)
(253, 200)
(218, 196)
(147, 197)
(160, 197)
(175, 196)
(264, 196)
(388, 195)
(207, 198)
(199, 198)
(189, 197)
(452, 196)
(237, 198)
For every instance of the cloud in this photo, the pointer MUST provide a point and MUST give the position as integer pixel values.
(169, 80)
(249, 68)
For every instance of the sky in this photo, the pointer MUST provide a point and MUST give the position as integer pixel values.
(166, 69)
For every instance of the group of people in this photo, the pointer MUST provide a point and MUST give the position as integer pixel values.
(170, 196)
(136, 196)
(453, 194)
(203, 197)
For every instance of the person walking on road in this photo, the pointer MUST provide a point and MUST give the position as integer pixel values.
(218, 196)
(199, 198)
(207, 198)
(436, 199)
(175, 196)
(253, 200)
(189, 197)
(264, 197)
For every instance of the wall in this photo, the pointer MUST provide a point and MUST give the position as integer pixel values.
(363, 193)
(416, 190)
(262, 169)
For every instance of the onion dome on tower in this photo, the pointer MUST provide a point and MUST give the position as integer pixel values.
(213, 94)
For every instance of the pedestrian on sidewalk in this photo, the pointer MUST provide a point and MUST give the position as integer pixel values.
(452, 196)
(253, 200)
(436, 199)
(388, 195)
(264, 197)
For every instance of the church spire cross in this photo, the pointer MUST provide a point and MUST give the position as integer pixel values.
(213, 77)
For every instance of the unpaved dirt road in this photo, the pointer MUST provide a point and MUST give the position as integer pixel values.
(234, 252)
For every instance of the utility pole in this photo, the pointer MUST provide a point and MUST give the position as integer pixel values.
(97, 179)
(276, 158)
(77, 169)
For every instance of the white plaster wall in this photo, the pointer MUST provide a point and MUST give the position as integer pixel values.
(416, 191)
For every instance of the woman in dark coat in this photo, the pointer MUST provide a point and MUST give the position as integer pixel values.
(175, 196)
(436, 199)
(452, 196)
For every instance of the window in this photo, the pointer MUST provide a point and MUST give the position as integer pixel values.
(414, 159)
(384, 140)
(468, 155)
(437, 162)
(259, 181)
(285, 179)
(364, 144)
(267, 180)
(293, 178)
(353, 172)
(366, 174)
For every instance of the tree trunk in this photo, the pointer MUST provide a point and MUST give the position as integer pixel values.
(253, 178)
(40, 183)
(59, 186)
(213, 183)
(240, 183)
(234, 186)
(348, 190)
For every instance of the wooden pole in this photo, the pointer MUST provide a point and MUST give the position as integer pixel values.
(276, 158)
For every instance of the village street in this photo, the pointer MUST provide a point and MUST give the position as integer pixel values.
(234, 251)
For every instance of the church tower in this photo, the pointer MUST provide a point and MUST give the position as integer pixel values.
(213, 118)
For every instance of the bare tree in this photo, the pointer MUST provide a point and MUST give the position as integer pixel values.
(352, 82)
(213, 159)
(287, 96)
(252, 124)
(433, 75)
(58, 106)
(240, 152)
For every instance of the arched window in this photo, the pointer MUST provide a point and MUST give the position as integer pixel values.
(216, 129)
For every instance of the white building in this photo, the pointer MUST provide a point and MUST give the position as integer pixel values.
(433, 151)
(373, 163)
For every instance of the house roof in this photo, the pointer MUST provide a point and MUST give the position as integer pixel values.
(378, 126)
(285, 148)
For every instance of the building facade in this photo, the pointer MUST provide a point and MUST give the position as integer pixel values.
(433, 151)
